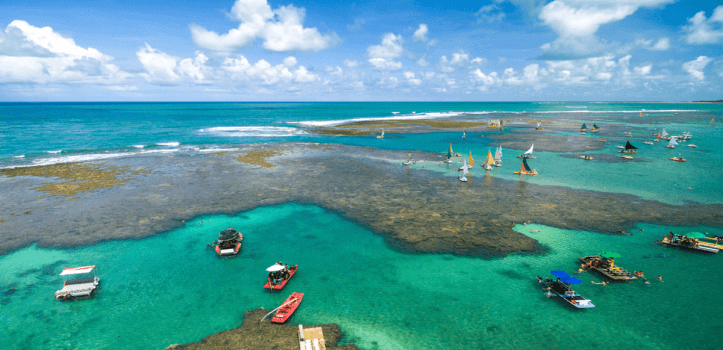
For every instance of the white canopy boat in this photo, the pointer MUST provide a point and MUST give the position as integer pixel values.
(78, 282)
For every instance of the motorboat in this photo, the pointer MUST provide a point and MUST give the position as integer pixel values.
(562, 287)
(284, 273)
(78, 282)
(229, 243)
(678, 159)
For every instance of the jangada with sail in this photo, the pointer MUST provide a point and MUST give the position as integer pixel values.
(528, 153)
(672, 143)
(489, 161)
(465, 172)
(525, 170)
(498, 157)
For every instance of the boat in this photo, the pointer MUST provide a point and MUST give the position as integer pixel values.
(678, 159)
(581, 133)
(628, 157)
(539, 126)
(381, 136)
(620, 147)
(287, 308)
(658, 137)
(692, 145)
(487, 165)
(711, 120)
(586, 157)
(685, 137)
(465, 172)
(525, 169)
(692, 241)
(229, 242)
(629, 148)
(628, 134)
(451, 153)
(594, 128)
(583, 128)
(672, 143)
(470, 160)
(464, 134)
(664, 135)
(284, 275)
(604, 264)
(78, 282)
(409, 160)
(647, 142)
(498, 157)
(603, 140)
(528, 153)
(562, 287)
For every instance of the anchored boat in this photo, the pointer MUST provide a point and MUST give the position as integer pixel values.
(528, 153)
(693, 241)
(678, 159)
(487, 165)
(78, 282)
(604, 264)
(498, 157)
(525, 169)
(279, 275)
(287, 308)
(409, 160)
(229, 242)
(672, 143)
(629, 148)
(562, 288)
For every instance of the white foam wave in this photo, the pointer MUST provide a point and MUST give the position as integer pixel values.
(54, 152)
(20, 156)
(253, 131)
(76, 158)
(168, 144)
(139, 146)
(626, 111)
(207, 150)
(431, 115)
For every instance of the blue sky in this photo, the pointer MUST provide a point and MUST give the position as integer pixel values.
(279, 50)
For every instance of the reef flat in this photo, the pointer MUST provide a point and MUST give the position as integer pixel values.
(415, 210)
(256, 335)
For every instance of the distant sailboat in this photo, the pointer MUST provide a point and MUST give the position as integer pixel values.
(711, 121)
(525, 169)
(382, 135)
(629, 148)
(539, 126)
(672, 143)
(409, 160)
(465, 172)
(664, 135)
(583, 127)
(594, 127)
(471, 161)
(489, 161)
(498, 157)
(657, 138)
(528, 154)
(464, 134)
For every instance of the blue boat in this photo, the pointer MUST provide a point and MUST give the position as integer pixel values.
(562, 287)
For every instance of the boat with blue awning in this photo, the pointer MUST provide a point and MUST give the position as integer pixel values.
(562, 287)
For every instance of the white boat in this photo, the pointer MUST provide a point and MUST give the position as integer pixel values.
(498, 157)
(409, 160)
(664, 134)
(539, 126)
(692, 146)
(672, 143)
(620, 147)
(528, 153)
(581, 133)
(463, 177)
(78, 282)
(464, 134)
(382, 135)
(648, 142)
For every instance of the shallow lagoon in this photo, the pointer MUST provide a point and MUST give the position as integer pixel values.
(169, 289)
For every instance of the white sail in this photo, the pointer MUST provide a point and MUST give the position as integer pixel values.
(529, 151)
(663, 134)
(498, 154)
(464, 171)
(538, 124)
(672, 142)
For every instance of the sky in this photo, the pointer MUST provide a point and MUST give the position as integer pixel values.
(279, 50)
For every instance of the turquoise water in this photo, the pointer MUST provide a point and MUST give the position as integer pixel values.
(169, 289)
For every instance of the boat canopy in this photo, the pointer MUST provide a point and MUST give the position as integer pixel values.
(524, 164)
(609, 255)
(275, 267)
(77, 270)
(227, 235)
(695, 235)
(565, 277)
(629, 146)
(529, 151)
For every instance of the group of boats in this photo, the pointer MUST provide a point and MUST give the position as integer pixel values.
(468, 163)
(604, 265)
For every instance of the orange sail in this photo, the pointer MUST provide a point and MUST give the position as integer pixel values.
(658, 137)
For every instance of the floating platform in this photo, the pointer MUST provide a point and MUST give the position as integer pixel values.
(311, 339)
(601, 266)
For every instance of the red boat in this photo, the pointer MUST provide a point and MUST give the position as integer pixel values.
(292, 272)
(287, 308)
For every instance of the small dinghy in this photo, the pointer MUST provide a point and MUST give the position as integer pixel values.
(678, 159)
(692, 145)
(586, 157)
(284, 312)
(229, 242)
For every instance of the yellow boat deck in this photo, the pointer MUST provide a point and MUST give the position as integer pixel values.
(311, 339)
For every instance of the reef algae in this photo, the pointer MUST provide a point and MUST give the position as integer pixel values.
(256, 335)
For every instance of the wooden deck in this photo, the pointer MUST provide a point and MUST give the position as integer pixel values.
(311, 339)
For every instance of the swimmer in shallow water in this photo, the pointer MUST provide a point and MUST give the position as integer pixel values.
(604, 283)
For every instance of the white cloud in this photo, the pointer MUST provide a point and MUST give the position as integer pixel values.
(351, 63)
(645, 70)
(358, 24)
(485, 79)
(160, 67)
(412, 79)
(422, 62)
(459, 58)
(421, 33)
(479, 60)
(695, 67)
(281, 30)
(577, 21)
(490, 13)
(121, 88)
(29, 54)
(290, 61)
(701, 30)
(382, 56)
(662, 45)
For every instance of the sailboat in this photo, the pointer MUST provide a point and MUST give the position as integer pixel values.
(498, 157)
(629, 148)
(711, 121)
(462, 177)
(664, 135)
(449, 155)
(451, 152)
(471, 161)
(409, 160)
(382, 135)
(525, 169)
(672, 143)
(489, 161)
(464, 134)
(594, 128)
(583, 127)
(539, 126)
(528, 154)
(657, 138)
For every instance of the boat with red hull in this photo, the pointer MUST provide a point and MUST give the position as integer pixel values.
(287, 308)
(292, 272)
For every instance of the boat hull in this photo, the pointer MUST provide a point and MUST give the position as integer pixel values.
(699, 247)
(566, 294)
(526, 172)
(292, 272)
(285, 312)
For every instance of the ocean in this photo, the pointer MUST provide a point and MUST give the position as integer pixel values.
(167, 289)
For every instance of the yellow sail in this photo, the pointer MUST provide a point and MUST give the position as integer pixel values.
(490, 160)
(471, 161)
(712, 120)
(450, 149)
